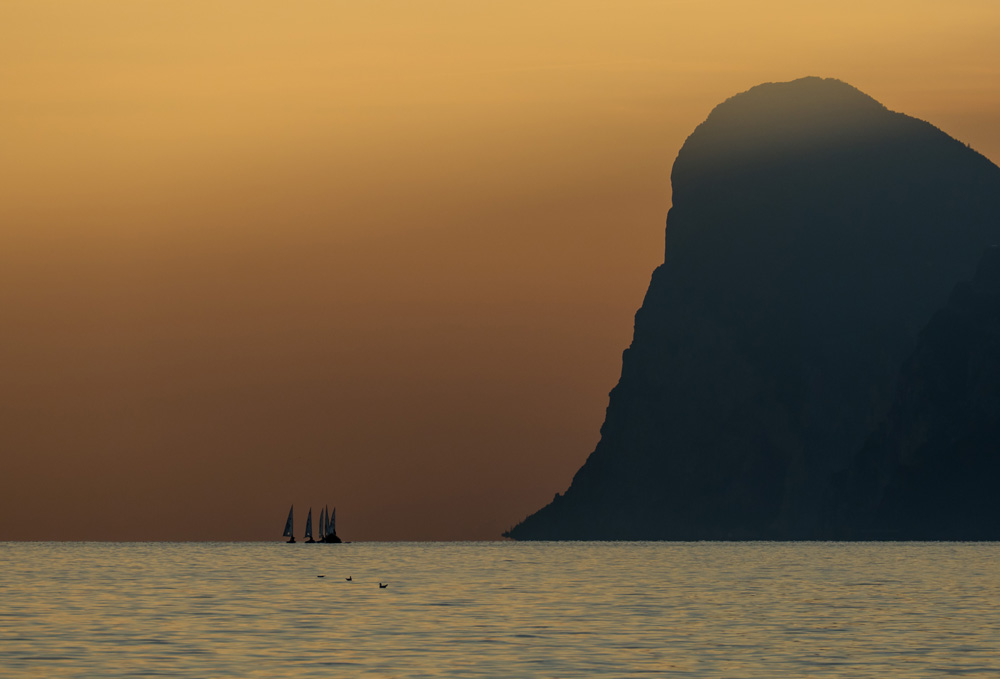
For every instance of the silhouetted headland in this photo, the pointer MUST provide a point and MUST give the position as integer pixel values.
(930, 471)
(813, 234)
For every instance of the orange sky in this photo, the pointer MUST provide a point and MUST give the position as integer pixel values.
(382, 255)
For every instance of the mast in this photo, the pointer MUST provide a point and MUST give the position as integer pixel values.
(289, 530)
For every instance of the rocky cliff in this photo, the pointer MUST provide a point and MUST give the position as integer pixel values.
(813, 233)
(931, 470)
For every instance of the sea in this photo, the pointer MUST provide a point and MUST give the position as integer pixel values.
(499, 609)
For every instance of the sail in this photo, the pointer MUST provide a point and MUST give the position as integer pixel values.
(288, 524)
(309, 524)
(322, 524)
(333, 521)
(328, 531)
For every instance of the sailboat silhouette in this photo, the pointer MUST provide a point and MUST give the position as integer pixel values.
(330, 528)
(309, 527)
(326, 527)
(288, 526)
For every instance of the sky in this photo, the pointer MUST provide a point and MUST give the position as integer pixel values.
(378, 255)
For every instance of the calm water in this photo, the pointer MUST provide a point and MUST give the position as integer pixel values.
(499, 610)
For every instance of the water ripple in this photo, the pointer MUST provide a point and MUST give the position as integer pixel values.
(499, 610)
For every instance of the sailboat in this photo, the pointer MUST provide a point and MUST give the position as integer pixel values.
(326, 527)
(330, 536)
(288, 526)
(309, 527)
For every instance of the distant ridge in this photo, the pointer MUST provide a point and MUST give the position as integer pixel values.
(813, 234)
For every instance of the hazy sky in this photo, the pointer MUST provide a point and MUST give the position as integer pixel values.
(382, 255)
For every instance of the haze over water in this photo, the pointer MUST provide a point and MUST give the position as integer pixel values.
(499, 609)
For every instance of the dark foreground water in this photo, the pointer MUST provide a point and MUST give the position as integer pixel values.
(499, 610)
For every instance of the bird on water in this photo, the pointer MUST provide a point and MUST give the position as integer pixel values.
(348, 578)
(381, 586)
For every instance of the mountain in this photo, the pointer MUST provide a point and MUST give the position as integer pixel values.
(930, 471)
(813, 233)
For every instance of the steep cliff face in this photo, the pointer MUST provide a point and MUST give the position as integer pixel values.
(931, 470)
(813, 233)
